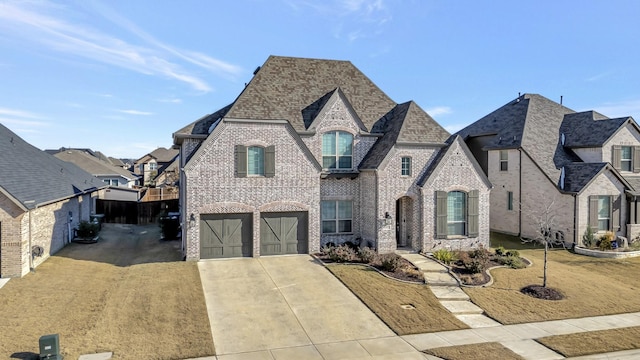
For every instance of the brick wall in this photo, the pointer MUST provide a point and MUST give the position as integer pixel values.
(605, 184)
(626, 136)
(503, 219)
(456, 172)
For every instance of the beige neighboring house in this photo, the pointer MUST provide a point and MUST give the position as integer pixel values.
(537, 152)
(42, 199)
(109, 173)
(311, 153)
(151, 165)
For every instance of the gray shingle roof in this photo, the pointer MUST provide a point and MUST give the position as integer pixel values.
(531, 122)
(202, 125)
(407, 123)
(164, 155)
(285, 86)
(33, 177)
(578, 175)
(589, 129)
(92, 164)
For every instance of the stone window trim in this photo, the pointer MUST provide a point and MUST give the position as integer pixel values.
(405, 166)
(242, 161)
(504, 160)
(472, 198)
(626, 158)
(610, 219)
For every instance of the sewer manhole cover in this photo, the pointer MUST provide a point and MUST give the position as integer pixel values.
(407, 306)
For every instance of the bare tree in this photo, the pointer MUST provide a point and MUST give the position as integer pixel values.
(545, 219)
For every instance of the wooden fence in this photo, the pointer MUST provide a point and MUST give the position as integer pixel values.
(133, 212)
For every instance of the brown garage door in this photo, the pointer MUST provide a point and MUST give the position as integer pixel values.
(225, 235)
(283, 233)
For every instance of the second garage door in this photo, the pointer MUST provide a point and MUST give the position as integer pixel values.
(225, 235)
(283, 233)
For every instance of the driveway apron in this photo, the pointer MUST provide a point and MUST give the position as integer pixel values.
(277, 302)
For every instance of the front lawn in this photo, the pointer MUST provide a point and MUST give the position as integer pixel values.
(602, 341)
(405, 308)
(129, 294)
(591, 286)
(482, 351)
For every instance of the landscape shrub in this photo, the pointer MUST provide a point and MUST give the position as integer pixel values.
(513, 262)
(444, 255)
(366, 255)
(500, 251)
(513, 253)
(605, 242)
(476, 261)
(341, 253)
(87, 229)
(588, 239)
(389, 262)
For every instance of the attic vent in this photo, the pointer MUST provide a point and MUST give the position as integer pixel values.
(256, 70)
(562, 138)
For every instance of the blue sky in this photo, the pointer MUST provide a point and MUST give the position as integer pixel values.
(121, 76)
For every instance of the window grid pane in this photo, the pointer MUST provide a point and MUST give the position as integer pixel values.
(337, 150)
(406, 166)
(625, 158)
(456, 213)
(255, 160)
(336, 216)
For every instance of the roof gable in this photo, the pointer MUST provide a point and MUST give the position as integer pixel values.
(590, 129)
(578, 176)
(284, 86)
(92, 164)
(327, 103)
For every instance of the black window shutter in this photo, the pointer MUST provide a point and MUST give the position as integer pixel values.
(270, 161)
(472, 213)
(241, 161)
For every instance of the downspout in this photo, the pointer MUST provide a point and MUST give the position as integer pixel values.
(30, 237)
(377, 231)
(520, 195)
(575, 219)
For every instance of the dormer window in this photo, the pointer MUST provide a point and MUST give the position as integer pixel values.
(337, 150)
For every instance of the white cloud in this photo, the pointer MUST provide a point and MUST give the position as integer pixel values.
(19, 113)
(20, 122)
(32, 22)
(171, 100)
(439, 110)
(599, 76)
(136, 112)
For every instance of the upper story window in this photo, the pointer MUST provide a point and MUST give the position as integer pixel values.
(153, 166)
(112, 182)
(406, 166)
(504, 160)
(255, 161)
(626, 158)
(337, 150)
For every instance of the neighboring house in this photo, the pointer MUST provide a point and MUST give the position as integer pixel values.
(42, 199)
(149, 166)
(311, 153)
(537, 152)
(108, 173)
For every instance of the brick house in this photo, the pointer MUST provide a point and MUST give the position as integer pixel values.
(312, 152)
(153, 164)
(42, 199)
(537, 152)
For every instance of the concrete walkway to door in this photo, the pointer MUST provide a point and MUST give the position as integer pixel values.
(291, 307)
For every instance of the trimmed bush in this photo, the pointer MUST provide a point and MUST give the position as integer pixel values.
(512, 253)
(588, 239)
(366, 255)
(513, 262)
(444, 255)
(500, 251)
(341, 253)
(389, 262)
(606, 241)
(476, 261)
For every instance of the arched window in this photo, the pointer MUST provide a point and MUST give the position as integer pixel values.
(337, 150)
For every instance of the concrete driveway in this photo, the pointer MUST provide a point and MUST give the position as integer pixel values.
(291, 307)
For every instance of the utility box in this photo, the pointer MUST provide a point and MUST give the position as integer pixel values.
(50, 347)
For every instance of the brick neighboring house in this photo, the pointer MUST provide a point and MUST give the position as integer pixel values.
(312, 152)
(42, 198)
(151, 165)
(536, 151)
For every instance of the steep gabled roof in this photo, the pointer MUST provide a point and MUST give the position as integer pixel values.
(406, 123)
(164, 155)
(590, 129)
(203, 125)
(93, 165)
(285, 86)
(32, 177)
(578, 175)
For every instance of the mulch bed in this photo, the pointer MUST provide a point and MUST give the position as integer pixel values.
(475, 279)
(541, 292)
(405, 271)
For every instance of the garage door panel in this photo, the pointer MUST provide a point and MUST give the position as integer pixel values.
(225, 235)
(283, 233)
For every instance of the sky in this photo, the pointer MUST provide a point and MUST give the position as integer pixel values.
(120, 76)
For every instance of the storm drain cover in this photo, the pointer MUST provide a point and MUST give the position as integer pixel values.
(408, 306)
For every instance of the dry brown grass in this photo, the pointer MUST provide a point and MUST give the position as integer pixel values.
(602, 341)
(586, 282)
(129, 294)
(484, 351)
(385, 296)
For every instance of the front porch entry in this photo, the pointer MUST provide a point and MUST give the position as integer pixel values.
(404, 216)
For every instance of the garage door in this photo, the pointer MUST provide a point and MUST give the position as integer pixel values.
(225, 235)
(283, 233)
